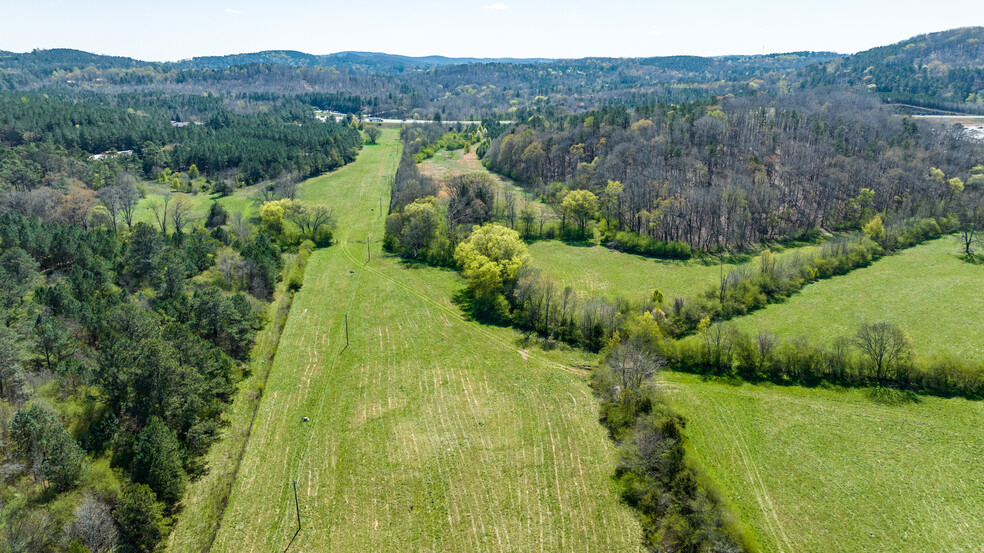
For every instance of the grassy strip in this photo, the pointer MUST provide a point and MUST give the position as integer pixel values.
(206, 499)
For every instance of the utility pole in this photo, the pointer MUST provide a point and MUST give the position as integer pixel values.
(346, 330)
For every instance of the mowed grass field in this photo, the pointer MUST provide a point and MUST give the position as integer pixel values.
(427, 432)
(832, 470)
(927, 290)
(599, 271)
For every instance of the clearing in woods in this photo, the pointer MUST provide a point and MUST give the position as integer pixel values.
(833, 470)
(594, 269)
(445, 163)
(428, 432)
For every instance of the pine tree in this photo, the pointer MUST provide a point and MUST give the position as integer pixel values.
(157, 461)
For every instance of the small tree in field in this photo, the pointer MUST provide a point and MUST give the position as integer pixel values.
(372, 133)
(970, 224)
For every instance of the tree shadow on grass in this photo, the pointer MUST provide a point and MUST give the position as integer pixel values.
(972, 258)
(578, 242)
(418, 264)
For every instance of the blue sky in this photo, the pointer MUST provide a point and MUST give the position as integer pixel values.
(483, 28)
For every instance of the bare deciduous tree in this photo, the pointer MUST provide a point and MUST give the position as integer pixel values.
(241, 227)
(159, 206)
(311, 219)
(886, 345)
(180, 213)
(632, 364)
(94, 526)
(121, 199)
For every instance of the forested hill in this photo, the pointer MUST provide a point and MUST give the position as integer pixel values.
(941, 70)
(944, 70)
(40, 62)
(457, 91)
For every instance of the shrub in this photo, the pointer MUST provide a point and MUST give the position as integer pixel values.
(646, 245)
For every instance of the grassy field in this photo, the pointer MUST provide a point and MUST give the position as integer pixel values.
(927, 290)
(427, 432)
(832, 470)
(237, 201)
(598, 270)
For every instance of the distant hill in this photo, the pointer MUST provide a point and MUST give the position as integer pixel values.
(368, 60)
(378, 58)
(63, 59)
(698, 64)
(944, 69)
(292, 58)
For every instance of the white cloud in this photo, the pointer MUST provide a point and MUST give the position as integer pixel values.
(497, 7)
(230, 10)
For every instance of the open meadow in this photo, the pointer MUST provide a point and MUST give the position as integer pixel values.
(597, 270)
(928, 290)
(426, 431)
(834, 470)
(238, 201)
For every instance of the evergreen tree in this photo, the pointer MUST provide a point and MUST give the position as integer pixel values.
(157, 461)
(39, 438)
(140, 518)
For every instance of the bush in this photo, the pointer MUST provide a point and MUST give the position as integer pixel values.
(646, 245)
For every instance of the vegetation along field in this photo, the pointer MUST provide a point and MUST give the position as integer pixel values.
(412, 444)
(835, 470)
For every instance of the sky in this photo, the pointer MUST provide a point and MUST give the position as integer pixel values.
(180, 29)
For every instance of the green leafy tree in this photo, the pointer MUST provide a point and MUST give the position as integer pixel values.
(490, 259)
(582, 206)
(875, 229)
(420, 225)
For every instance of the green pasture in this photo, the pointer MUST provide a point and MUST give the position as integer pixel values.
(928, 290)
(597, 270)
(835, 470)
